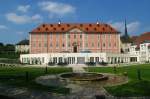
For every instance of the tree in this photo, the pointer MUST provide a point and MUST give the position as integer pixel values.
(9, 47)
(1, 47)
(1, 44)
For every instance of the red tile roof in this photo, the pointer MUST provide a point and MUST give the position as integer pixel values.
(65, 27)
(142, 38)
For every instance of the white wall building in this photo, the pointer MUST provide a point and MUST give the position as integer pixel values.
(22, 46)
(74, 58)
(140, 53)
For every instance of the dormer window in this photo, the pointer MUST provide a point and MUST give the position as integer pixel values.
(39, 29)
(59, 25)
(62, 28)
(103, 29)
(51, 25)
(46, 29)
(87, 29)
(43, 25)
(68, 25)
(90, 25)
(54, 28)
(98, 25)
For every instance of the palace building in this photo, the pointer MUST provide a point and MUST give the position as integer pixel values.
(74, 43)
(74, 38)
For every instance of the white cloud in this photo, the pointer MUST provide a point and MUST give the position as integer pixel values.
(132, 26)
(22, 19)
(36, 17)
(3, 27)
(20, 33)
(23, 8)
(56, 8)
(118, 25)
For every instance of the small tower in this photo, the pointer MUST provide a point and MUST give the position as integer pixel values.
(126, 31)
(126, 38)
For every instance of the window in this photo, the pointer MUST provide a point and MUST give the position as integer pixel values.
(45, 44)
(98, 36)
(63, 45)
(51, 44)
(115, 45)
(69, 36)
(63, 36)
(57, 36)
(109, 44)
(74, 36)
(98, 44)
(60, 59)
(91, 59)
(104, 36)
(80, 36)
(92, 44)
(86, 44)
(42, 59)
(80, 44)
(39, 44)
(34, 45)
(55, 59)
(50, 35)
(45, 36)
(57, 44)
(68, 44)
(93, 36)
(109, 36)
(86, 36)
(103, 44)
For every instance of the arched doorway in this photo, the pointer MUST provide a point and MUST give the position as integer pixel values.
(75, 47)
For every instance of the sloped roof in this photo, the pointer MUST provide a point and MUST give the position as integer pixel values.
(23, 42)
(65, 27)
(142, 38)
(125, 39)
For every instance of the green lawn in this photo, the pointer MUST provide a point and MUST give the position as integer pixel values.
(16, 76)
(135, 87)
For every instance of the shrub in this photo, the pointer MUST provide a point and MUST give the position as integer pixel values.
(51, 63)
(62, 63)
(103, 63)
(146, 61)
(90, 63)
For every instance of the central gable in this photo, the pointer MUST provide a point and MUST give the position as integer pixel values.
(75, 29)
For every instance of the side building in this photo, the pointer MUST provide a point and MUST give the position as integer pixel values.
(22, 46)
(140, 49)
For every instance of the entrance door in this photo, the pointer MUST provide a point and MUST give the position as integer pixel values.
(75, 49)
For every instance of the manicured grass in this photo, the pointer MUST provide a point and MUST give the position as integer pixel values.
(16, 76)
(134, 87)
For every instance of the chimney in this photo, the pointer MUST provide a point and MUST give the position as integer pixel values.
(59, 22)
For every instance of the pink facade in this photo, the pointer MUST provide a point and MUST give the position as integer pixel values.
(74, 38)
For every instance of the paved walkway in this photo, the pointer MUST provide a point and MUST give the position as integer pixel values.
(78, 69)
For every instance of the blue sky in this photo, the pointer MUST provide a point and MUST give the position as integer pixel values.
(18, 17)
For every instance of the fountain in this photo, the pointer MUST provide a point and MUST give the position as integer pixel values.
(83, 76)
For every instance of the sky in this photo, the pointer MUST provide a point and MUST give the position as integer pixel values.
(19, 17)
